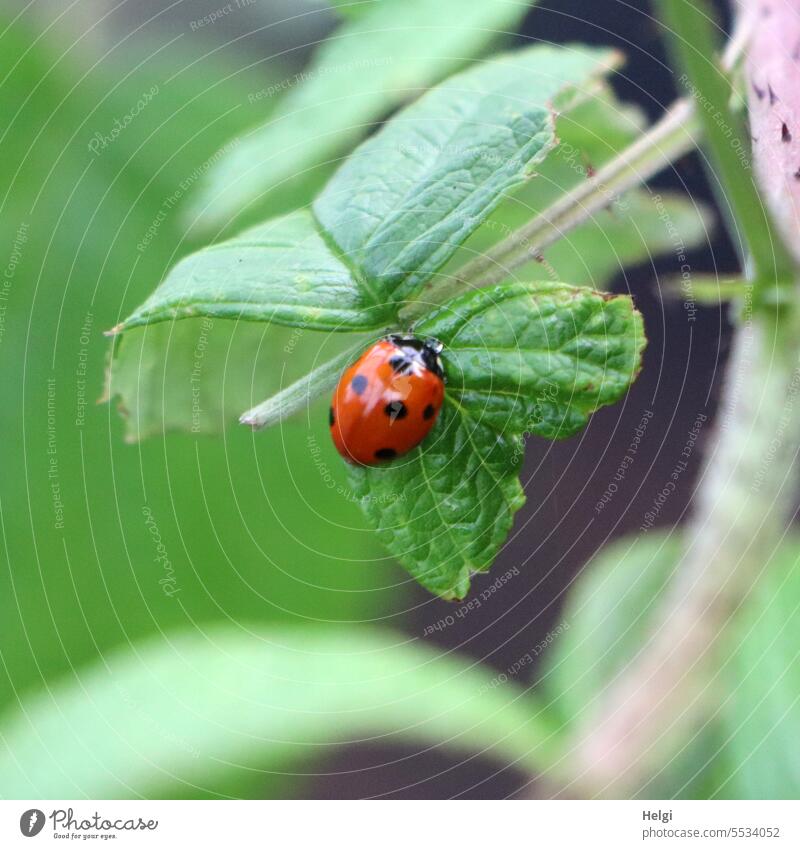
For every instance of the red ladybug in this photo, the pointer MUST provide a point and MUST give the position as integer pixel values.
(387, 402)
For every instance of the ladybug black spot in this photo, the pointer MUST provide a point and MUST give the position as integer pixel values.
(396, 410)
(429, 412)
(331, 417)
(385, 454)
(359, 384)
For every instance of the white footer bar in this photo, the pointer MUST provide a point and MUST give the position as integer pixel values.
(400, 824)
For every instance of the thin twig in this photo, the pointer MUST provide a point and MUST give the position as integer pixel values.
(669, 139)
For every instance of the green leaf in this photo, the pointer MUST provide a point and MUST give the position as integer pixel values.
(519, 359)
(175, 376)
(537, 358)
(761, 712)
(608, 617)
(407, 197)
(201, 712)
(445, 509)
(198, 375)
(372, 63)
(281, 271)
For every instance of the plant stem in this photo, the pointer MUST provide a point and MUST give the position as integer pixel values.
(669, 139)
(299, 394)
(742, 512)
(743, 508)
(692, 39)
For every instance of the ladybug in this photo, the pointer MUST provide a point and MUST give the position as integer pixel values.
(388, 400)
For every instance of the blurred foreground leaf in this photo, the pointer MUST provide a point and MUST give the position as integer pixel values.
(761, 711)
(609, 615)
(198, 712)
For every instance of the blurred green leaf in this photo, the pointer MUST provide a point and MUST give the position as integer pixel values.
(281, 271)
(761, 711)
(218, 710)
(610, 613)
(198, 375)
(519, 359)
(407, 197)
(373, 62)
(233, 515)
(354, 8)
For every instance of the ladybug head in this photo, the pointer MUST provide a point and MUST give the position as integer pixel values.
(425, 350)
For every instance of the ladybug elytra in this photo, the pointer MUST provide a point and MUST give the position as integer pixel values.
(386, 403)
